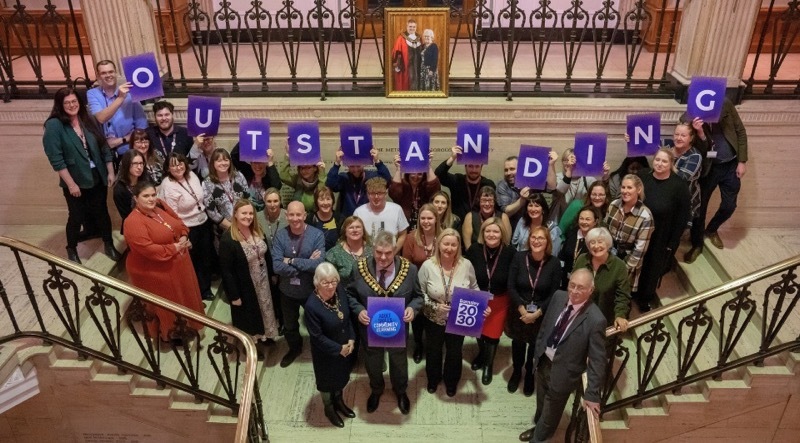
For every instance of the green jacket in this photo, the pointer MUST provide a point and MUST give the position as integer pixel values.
(733, 130)
(612, 287)
(64, 150)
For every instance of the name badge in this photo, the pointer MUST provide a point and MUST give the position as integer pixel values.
(294, 281)
(531, 307)
(91, 164)
(711, 154)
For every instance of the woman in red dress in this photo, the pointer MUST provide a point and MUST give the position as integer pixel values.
(159, 260)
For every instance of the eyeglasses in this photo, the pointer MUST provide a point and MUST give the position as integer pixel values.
(578, 288)
(141, 142)
(538, 239)
(71, 103)
(329, 283)
(137, 164)
(598, 195)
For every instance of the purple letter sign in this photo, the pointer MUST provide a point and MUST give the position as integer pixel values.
(473, 137)
(386, 327)
(414, 150)
(706, 95)
(644, 131)
(304, 143)
(532, 167)
(466, 312)
(253, 139)
(356, 142)
(202, 115)
(142, 71)
(590, 153)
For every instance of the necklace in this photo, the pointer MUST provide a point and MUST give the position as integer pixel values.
(448, 283)
(252, 245)
(335, 308)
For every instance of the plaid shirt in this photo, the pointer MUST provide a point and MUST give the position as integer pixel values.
(689, 169)
(631, 233)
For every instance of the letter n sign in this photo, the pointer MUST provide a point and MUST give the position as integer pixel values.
(706, 95)
(142, 71)
(473, 137)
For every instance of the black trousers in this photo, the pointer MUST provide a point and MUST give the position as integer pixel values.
(202, 254)
(549, 403)
(435, 339)
(723, 176)
(291, 321)
(91, 205)
(522, 352)
(373, 363)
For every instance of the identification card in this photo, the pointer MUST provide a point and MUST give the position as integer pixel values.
(294, 281)
(531, 307)
(91, 164)
(711, 154)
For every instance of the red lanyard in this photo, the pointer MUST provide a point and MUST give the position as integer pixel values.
(192, 193)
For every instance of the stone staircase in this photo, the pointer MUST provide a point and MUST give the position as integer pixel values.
(748, 401)
(151, 412)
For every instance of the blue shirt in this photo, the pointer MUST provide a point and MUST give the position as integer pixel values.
(128, 117)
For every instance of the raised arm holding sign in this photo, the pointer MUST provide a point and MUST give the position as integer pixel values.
(356, 143)
(473, 137)
(304, 143)
(253, 140)
(532, 167)
(203, 115)
(414, 150)
(590, 154)
(706, 96)
(644, 134)
(142, 72)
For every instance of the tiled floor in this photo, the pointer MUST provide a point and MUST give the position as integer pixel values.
(478, 413)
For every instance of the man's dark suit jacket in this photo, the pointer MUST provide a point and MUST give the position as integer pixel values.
(585, 338)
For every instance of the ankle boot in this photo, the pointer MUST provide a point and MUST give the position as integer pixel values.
(72, 255)
(111, 251)
(527, 388)
(513, 381)
(330, 410)
(338, 404)
(488, 363)
(479, 359)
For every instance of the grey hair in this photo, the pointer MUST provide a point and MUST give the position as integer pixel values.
(383, 238)
(324, 271)
(428, 31)
(600, 234)
(588, 273)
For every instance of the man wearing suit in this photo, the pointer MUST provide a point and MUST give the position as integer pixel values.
(385, 275)
(573, 330)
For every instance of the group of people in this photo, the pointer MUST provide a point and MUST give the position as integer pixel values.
(415, 60)
(561, 263)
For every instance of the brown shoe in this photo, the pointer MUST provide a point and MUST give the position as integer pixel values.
(692, 254)
(715, 240)
(527, 435)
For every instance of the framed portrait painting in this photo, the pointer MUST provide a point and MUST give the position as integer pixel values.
(416, 52)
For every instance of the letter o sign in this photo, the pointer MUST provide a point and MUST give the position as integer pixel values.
(149, 75)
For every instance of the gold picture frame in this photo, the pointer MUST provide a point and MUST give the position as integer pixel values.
(409, 70)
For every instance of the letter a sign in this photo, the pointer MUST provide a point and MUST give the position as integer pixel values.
(202, 115)
(706, 95)
(414, 149)
(142, 71)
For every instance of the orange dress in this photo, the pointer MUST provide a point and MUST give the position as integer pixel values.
(154, 264)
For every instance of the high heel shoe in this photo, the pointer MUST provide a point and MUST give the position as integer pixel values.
(72, 255)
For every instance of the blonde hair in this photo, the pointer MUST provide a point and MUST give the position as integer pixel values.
(637, 183)
(437, 228)
(505, 236)
(255, 227)
(449, 232)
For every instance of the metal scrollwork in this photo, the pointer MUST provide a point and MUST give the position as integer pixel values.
(109, 326)
(650, 350)
(786, 294)
(258, 22)
(221, 353)
(698, 323)
(64, 301)
(742, 308)
(140, 321)
(543, 22)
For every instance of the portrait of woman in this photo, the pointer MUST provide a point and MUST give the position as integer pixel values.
(429, 63)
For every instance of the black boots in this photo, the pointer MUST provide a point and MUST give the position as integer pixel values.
(338, 403)
(111, 251)
(488, 362)
(334, 404)
(513, 381)
(72, 255)
(480, 359)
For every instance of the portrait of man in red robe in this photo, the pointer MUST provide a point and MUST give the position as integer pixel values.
(406, 59)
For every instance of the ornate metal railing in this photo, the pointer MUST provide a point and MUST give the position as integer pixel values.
(731, 323)
(104, 319)
(780, 36)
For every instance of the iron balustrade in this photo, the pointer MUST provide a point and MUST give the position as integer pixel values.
(285, 48)
(730, 322)
(107, 320)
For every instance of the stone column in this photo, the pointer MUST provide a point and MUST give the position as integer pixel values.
(119, 28)
(714, 39)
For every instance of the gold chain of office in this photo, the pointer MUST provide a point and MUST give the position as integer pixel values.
(372, 282)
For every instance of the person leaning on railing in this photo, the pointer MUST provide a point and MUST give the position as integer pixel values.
(159, 260)
(78, 151)
(332, 337)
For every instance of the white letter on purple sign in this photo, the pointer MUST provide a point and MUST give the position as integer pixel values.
(528, 162)
(468, 142)
(206, 124)
(414, 151)
(639, 132)
(589, 155)
(254, 134)
(702, 94)
(303, 140)
(355, 139)
(136, 81)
